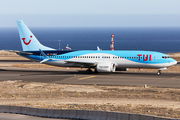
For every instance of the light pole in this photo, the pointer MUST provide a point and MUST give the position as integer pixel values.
(59, 44)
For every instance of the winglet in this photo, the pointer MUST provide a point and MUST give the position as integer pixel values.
(46, 58)
(44, 55)
(98, 48)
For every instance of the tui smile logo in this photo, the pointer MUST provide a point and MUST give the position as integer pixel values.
(27, 43)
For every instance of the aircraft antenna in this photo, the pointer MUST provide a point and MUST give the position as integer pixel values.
(59, 44)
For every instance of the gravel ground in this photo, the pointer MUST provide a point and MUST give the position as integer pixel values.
(151, 101)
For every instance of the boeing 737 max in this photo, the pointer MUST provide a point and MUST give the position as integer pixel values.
(101, 61)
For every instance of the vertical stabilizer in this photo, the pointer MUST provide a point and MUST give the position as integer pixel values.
(28, 41)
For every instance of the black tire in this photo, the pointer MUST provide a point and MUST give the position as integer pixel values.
(159, 73)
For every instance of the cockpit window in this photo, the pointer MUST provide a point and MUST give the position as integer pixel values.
(165, 57)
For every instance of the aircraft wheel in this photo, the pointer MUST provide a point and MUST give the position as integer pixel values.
(89, 71)
(159, 73)
(95, 71)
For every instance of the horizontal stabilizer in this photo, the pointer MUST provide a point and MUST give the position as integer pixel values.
(25, 53)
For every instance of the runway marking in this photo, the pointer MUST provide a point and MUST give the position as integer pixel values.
(175, 77)
(86, 77)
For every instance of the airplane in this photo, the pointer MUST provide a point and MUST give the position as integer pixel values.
(100, 61)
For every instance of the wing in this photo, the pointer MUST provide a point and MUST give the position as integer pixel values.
(82, 63)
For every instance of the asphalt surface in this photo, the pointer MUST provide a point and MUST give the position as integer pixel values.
(65, 76)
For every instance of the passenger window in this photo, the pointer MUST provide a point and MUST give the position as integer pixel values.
(165, 57)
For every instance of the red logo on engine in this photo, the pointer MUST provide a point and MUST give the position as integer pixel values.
(27, 43)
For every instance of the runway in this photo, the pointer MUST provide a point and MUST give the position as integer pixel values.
(64, 76)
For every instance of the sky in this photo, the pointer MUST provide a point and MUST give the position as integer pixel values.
(90, 13)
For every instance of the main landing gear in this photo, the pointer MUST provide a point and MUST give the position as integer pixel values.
(88, 71)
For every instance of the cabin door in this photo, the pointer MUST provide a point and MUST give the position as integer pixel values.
(154, 58)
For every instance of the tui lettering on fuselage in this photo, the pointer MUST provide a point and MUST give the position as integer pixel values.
(144, 57)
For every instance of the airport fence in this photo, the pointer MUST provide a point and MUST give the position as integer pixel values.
(77, 114)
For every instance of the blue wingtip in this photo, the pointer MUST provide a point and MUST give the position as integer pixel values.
(44, 55)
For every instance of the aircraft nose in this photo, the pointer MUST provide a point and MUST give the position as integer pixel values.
(174, 62)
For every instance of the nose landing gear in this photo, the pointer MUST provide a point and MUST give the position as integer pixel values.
(159, 72)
